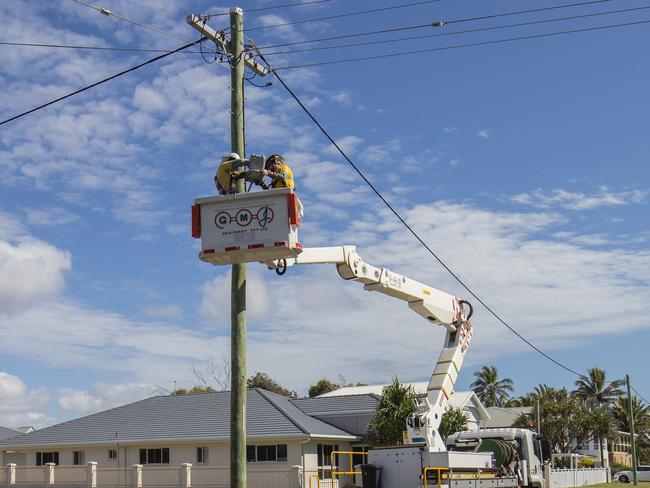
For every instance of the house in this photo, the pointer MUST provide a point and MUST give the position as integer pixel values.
(501, 417)
(194, 428)
(467, 401)
(293, 438)
(6, 433)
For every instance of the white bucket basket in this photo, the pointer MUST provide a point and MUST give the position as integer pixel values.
(247, 227)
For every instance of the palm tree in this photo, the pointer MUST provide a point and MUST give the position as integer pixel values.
(489, 389)
(593, 389)
(396, 404)
(640, 414)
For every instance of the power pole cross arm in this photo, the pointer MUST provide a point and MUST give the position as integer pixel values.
(219, 38)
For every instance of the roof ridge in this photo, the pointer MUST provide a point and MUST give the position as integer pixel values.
(264, 393)
(90, 415)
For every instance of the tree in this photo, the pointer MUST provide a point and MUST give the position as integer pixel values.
(322, 386)
(489, 389)
(593, 389)
(562, 417)
(396, 404)
(193, 390)
(264, 381)
(640, 414)
(452, 421)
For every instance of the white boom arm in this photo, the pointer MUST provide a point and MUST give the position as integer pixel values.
(432, 304)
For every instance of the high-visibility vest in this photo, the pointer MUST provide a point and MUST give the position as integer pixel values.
(224, 181)
(288, 181)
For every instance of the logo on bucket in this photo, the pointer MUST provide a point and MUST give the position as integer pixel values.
(244, 217)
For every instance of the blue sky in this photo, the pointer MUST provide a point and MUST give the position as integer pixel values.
(523, 164)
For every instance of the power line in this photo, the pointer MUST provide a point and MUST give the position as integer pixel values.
(409, 228)
(347, 14)
(110, 13)
(422, 26)
(133, 68)
(271, 7)
(99, 48)
(455, 33)
(639, 395)
(460, 46)
(521, 12)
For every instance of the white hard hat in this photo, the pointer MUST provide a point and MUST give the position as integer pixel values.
(229, 157)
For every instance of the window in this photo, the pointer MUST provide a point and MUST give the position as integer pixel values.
(324, 459)
(154, 456)
(78, 458)
(112, 454)
(42, 458)
(201, 455)
(267, 453)
(250, 454)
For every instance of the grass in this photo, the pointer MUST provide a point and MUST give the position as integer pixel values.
(644, 484)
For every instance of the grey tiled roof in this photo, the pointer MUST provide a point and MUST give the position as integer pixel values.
(6, 433)
(366, 403)
(199, 416)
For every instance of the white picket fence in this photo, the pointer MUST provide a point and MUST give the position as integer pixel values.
(185, 476)
(566, 478)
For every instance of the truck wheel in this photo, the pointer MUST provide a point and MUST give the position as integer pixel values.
(623, 479)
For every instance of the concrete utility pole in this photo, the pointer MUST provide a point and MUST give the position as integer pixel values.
(632, 434)
(238, 59)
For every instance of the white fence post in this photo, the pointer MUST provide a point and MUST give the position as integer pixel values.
(11, 474)
(49, 473)
(547, 475)
(136, 476)
(185, 475)
(91, 474)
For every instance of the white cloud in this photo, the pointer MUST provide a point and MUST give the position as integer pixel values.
(534, 283)
(349, 144)
(578, 200)
(102, 396)
(484, 134)
(168, 311)
(50, 216)
(30, 270)
(21, 406)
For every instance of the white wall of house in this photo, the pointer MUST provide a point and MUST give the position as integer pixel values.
(218, 453)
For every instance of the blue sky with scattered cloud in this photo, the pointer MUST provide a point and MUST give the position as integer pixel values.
(524, 165)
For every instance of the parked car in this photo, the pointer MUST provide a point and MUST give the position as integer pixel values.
(642, 474)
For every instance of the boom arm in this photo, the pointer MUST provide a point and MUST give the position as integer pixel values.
(434, 305)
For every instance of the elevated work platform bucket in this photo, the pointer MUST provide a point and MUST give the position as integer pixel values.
(247, 227)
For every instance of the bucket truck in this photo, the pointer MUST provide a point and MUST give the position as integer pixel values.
(263, 227)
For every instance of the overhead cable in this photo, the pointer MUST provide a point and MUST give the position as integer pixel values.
(271, 7)
(409, 228)
(461, 46)
(346, 14)
(521, 12)
(455, 33)
(110, 13)
(99, 48)
(639, 395)
(116, 75)
(421, 26)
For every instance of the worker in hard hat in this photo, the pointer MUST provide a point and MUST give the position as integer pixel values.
(280, 173)
(223, 179)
